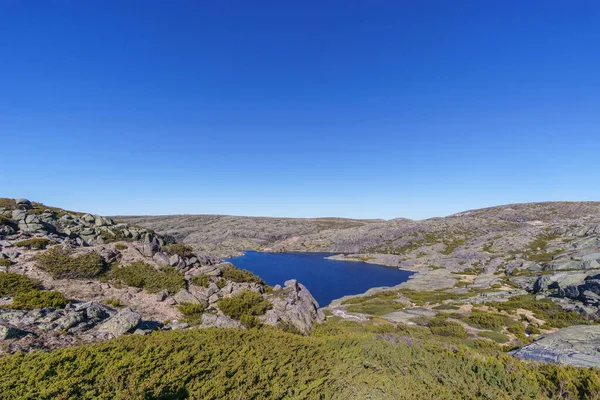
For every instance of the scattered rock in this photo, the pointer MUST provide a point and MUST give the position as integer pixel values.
(123, 322)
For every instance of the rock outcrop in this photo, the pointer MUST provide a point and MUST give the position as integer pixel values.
(577, 345)
(294, 304)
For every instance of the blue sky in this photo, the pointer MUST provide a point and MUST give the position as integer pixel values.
(375, 109)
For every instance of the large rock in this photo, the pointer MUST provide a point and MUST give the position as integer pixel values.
(577, 345)
(218, 321)
(123, 322)
(294, 304)
(23, 204)
(184, 296)
(8, 332)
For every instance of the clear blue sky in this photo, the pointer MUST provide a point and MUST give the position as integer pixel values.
(304, 108)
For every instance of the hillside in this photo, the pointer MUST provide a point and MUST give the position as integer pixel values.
(120, 309)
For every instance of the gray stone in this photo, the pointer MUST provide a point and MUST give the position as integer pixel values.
(218, 321)
(162, 295)
(8, 332)
(148, 249)
(212, 289)
(161, 259)
(23, 204)
(123, 322)
(174, 260)
(577, 345)
(184, 296)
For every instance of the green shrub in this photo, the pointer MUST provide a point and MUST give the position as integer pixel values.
(420, 320)
(12, 284)
(34, 243)
(145, 276)
(221, 283)
(192, 312)
(486, 320)
(38, 299)
(339, 360)
(495, 336)
(287, 326)
(443, 307)
(113, 302)
(234, 274)
(120, 246)
(245, 302)
(442, 327)
(5, 262)
(4, 220)
(180, 249)
(433, 296)
(378, 304)
(250, 321)
(545, 309)
(533, 330)
(61, 264)
(201, 280)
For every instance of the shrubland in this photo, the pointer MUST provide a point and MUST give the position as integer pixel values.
(61, 263)
(339, 360)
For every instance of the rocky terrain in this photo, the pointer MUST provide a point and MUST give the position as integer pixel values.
(548, 252)
(69, 277)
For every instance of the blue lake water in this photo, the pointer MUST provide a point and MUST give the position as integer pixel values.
(327, 280)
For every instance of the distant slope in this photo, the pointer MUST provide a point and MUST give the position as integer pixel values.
(516, 224)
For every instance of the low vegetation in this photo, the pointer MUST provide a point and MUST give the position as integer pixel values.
(120, 246)
(34, 243)
(145, 276)
(244, 305)
(340, 360)
(60, 263)
(12, 284)
(201, 280)
(26, 293)
(439, 325)
(39, 299)
(192, 313)
(5, 262)
(495, 336)
(545, 309)
(379, 304)
(234, 274)
(180, 249)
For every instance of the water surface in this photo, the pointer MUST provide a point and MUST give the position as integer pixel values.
(327, 280)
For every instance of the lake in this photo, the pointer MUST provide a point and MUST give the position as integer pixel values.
(327, 280)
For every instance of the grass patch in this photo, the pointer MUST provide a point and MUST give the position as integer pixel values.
(495, 336)
(443, 307)
(145, 276)
(61, 264)
(378, 304)
(432, 297)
